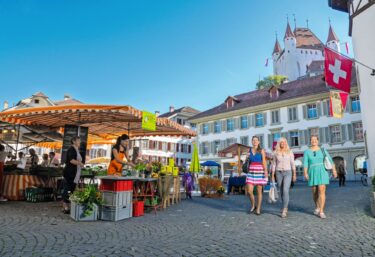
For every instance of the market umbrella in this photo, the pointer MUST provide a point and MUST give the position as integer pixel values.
(210, 164)
(195, 165)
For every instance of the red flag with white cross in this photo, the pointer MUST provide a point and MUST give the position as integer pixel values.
(337, 70)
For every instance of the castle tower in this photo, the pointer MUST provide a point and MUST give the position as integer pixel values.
(275, 55)
(333, 41)
(289, 39)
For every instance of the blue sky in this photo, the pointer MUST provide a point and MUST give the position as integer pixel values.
(147, 53)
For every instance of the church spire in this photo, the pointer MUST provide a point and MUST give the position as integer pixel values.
(288, 32)
(332, 35)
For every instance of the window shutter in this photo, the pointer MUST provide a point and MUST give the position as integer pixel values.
(223, 125)
(327, 135)
(253, 118)
(307, 139)
(237, 123)
(325, 108)
(343, 133)
(348, 104)
(270, 141)
(301, 138)
(322, 138)
(350, 132)
(319, 109)
(265, 118)
(249, 121)
(212, 144)
(290, 114)
(288, 138)
(305, 112)
(200, 148)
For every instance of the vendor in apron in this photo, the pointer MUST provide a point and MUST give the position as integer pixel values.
(119, 156)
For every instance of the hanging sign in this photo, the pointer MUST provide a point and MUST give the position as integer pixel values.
(338, 103)
(148, 121)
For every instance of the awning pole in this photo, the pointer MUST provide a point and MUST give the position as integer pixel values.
(18, 139)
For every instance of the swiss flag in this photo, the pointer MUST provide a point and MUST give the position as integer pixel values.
(337, 70)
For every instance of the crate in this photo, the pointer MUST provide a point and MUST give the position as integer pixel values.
(39, 194)
(151, 202)
(116, 185)
(76, 213)
(138, 208)
(117, 199)
(109, 213)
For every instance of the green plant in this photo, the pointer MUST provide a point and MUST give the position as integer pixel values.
(221, 190)
(87, 197)
(156, 167)
(208, 172)
(140, 167)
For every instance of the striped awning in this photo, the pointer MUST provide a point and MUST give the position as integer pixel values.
(104, 121)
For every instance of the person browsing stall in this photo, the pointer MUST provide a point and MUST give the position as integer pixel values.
(119, 156)
(72, 171)
(21, 162)
(53, 161)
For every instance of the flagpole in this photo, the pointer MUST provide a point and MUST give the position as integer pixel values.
(354, 60)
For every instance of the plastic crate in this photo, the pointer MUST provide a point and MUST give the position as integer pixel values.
(76, 213)
(151, 202)
(138, 208)
(115, 213)
(117, 199)
(116, 185)
(39, 194)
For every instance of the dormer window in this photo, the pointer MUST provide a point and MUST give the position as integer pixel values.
(36, 101)
(231, 101)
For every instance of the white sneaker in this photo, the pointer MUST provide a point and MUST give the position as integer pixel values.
(316, 212)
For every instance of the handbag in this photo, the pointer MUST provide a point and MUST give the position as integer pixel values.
(327, 163)
(245, 166)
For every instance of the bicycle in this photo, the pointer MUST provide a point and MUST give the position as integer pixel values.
(364, 179)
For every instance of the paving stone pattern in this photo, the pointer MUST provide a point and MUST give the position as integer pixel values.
(199, 227)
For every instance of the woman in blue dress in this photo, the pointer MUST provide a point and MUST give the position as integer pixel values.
(316, 174)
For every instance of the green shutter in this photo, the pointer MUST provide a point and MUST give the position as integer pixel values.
(348, 104)
(302, 139)
(270, 141)
(322, 138)
(319, 109)
(223, 125)
(265, 118)
(325, 108)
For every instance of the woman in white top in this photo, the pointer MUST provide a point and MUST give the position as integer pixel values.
(284, 168)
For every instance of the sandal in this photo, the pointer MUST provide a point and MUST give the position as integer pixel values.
(252, 209)
(322, 215)
(316, 212)
(284, 213)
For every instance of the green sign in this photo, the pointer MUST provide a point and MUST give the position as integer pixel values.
(148, 121)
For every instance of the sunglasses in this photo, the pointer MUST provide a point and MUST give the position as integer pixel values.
(314, 153)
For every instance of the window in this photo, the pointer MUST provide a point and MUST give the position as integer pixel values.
(261, 140)
(276, 136)
(36, 101)
(217, 127)
(216, 146)
(314, 132)
(275, 117)
(204, 148)
(336, 134)
(180, 121)
(292, 114)
(244, 124)
(259, 121)
(294, 142)
(358, 131)
(356, 105)
(244, 140)
(205, 129)
(230, 125)
(312, 111)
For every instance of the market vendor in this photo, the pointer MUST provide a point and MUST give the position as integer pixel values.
(53, 161)
(119, 156)
(72, 171)
(34, 159)
(21, 162)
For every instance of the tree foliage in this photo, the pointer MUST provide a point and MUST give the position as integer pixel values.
(269, 81)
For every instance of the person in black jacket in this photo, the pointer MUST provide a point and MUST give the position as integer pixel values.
(72, 171)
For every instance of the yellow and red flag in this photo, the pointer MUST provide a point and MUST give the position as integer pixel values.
(338, 102)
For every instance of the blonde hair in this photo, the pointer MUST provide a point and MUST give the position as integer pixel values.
(286, 147)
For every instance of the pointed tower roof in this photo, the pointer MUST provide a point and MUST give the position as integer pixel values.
(332, 35)
(277, 47)
(288, 32)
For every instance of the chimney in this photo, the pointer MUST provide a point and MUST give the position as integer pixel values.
(6, 105)
(171, 108)
(67, 97)
(157, 113)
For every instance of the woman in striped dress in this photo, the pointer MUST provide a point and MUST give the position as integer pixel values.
(258, 174)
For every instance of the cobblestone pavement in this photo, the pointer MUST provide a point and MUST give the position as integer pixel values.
(199, 227)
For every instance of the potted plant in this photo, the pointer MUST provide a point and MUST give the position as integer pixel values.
(84, 203)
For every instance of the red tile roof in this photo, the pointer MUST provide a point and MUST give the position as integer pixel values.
(306, 39)
(277, 47)
(291, 90)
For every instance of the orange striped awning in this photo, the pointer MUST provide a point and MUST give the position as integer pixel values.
(105, 121)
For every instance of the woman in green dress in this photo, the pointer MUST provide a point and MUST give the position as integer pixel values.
(316, 174)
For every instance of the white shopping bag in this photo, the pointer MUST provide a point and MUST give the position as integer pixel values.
(272, 194)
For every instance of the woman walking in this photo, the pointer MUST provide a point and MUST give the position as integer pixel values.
(257, 176)
(72, 171)
(284, 168)
(316, 174)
